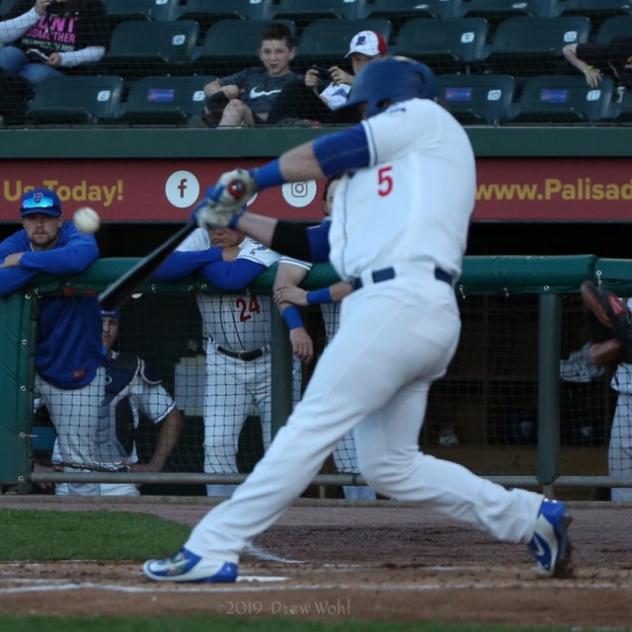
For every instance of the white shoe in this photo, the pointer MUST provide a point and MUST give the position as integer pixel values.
(185, 566)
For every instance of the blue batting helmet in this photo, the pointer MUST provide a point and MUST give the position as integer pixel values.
(392, 80)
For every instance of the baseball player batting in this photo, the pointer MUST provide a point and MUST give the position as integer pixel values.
(398, 234)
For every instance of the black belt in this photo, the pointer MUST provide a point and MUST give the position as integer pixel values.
(386, 274)
(246, 356)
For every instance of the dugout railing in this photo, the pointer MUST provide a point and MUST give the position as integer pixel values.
(519, 308)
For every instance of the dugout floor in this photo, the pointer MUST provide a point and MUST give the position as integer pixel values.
(334, 561)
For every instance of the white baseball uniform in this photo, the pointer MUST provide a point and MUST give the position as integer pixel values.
(234, 323)
(400, 225)
(344, 453)
(128, 393)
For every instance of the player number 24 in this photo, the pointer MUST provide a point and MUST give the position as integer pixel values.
(384, 181)
(248, 308)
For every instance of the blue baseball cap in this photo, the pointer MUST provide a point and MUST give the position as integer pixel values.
(113, 314)
(42, 201)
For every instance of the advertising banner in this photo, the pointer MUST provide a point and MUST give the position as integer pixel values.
(162, 190)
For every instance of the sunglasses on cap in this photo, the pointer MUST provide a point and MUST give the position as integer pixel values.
(40, 202)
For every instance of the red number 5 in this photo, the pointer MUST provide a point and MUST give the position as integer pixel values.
(384, 181)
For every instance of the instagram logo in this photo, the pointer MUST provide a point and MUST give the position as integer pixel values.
(299, 194)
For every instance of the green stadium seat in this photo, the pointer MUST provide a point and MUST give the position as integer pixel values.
(165, 100)
(477, 99)
(304, 11)
(76, 100)
(497, 11)
(206, 13)
(231, 45)
(618, 27)
(526, 46)
(326, 42)
(622, 112)
(597, 10)
(121, 10)
(563, 100)
(447, 46)
(6, 6)
(139, 48)
(400, 11)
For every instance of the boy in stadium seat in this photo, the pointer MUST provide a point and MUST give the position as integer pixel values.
(595, 60)
(246, 97)
(316, 97)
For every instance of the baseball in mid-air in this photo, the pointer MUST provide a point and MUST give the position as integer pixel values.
(86, 220)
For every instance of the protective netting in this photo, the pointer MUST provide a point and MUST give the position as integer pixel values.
(246, 62)
(483, 413)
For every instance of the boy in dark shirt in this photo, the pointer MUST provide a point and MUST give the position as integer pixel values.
(246, 97)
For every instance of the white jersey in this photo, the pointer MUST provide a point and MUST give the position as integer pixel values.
(330, 311)
(622, 379)
(418, 193)
(237, 322)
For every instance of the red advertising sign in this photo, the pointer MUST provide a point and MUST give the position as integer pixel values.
(509, 189)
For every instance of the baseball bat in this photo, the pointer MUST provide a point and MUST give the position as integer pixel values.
(117, 293)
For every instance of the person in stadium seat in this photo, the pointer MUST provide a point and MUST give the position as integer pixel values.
(316, 97)
(43, 38)
(596, 60)
(246, 97)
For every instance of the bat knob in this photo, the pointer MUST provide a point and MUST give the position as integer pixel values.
(236, 188)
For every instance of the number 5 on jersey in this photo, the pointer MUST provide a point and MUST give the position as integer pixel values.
(384, 181)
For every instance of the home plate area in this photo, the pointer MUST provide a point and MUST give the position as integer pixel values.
(398, 564)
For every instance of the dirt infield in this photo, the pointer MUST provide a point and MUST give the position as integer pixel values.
(335, 561)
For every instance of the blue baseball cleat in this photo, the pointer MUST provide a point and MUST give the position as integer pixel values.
(185, 566)
(550, 545)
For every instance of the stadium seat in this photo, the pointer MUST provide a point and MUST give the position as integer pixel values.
(206, 13)
(622, 112)
(121, 10)
(144, 48)
(304, 11)
(561, 99)
(618, 27)
(165, 100)
(6, 6)
(76, 100)
(596, 10)
(496, 11)
(326, 42)
(231, 45)
(477, 99)
(400, 11)
(532, 46)
(447, 46)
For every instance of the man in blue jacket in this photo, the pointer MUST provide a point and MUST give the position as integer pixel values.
(69, 354)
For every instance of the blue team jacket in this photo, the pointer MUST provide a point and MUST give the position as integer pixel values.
(69, 349)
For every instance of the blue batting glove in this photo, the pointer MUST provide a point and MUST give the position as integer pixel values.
(214, 193)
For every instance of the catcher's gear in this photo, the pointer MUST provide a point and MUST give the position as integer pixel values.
(610, 317)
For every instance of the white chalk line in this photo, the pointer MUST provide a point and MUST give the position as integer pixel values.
(274, 586)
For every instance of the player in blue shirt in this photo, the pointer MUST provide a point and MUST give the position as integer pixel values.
(69, 353)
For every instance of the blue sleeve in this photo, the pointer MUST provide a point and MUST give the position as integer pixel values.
(318, 238)
(232, 275)
(12, 279)
(74, 254)
(182, 263)
(14, 243)
(342, 151)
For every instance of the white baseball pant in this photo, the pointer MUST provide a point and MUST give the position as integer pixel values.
(395, 338)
